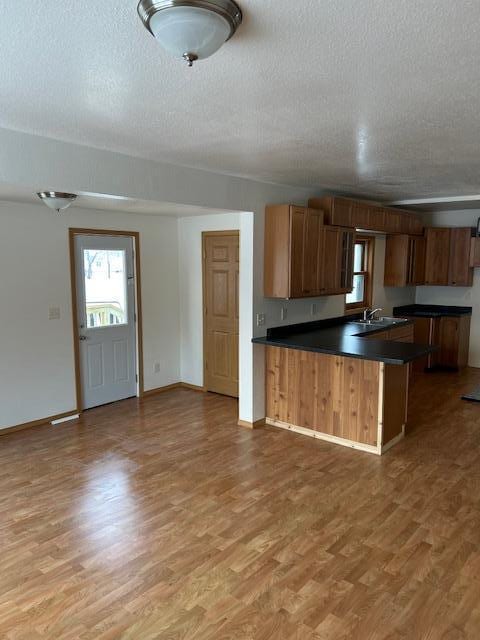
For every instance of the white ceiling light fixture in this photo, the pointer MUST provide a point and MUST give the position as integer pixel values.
(57, 200)
(190, 29)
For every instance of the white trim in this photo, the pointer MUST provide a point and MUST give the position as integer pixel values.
(66, 419)
(325, 436)
(394, 441)
(439, 200)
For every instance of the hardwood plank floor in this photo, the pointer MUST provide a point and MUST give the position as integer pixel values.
(164, 520)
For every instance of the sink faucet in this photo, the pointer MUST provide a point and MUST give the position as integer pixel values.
(368, 314)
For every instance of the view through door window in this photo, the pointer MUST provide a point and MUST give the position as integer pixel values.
(105, 287)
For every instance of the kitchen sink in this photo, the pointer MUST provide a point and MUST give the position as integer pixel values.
(385, 321)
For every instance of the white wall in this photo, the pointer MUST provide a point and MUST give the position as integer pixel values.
(34, 163)
(459, 296)
(37, 362)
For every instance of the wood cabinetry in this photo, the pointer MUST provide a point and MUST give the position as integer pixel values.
(304, 258)
(454, 340)
(460, 272)
(447, 257)
(475, 252)
(404, 261)
(436, 256)
(357, 403)
(450, 333)
(348, 212)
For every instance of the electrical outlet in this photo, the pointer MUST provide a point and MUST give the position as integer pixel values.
(283, 313)
(313, 309)
(156, 368)
(260, 319)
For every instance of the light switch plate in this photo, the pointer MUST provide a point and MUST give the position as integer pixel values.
(54, 313)
(313, 309)
(156, 368)
(283, 313)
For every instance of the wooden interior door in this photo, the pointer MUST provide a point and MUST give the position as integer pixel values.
(220, 311)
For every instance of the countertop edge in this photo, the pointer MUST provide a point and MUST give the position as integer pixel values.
(348, 354)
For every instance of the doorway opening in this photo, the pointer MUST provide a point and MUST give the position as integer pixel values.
(107, 318)
(221, 271)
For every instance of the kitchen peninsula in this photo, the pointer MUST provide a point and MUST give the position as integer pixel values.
(342, 380)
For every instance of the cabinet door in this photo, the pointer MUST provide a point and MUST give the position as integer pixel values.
(460, 272)
(417, 257)
(330, 261)
(361, 216)
(341, 212)
(312, 239)
(377, 218)
(437, 256)
(397, 261)
(296, 251)
(347, 254)
(393, 221)
(449, 341)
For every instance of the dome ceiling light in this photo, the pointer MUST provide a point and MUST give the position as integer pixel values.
(190, 29)
(56, 199)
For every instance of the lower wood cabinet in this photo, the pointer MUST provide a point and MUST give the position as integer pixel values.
(358, 403)
(451, 334)
(304, 258)
(454, 341)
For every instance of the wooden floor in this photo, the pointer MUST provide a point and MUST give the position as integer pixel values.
(164, 520)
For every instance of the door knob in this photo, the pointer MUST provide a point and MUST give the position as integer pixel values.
(83, 338)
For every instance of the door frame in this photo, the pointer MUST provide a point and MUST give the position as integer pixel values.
(205, 235)
(135, 235)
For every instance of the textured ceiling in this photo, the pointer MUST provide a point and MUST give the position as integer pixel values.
(377, 97)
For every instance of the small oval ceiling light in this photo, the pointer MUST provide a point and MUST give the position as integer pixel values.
(56, 199)
(190, 29)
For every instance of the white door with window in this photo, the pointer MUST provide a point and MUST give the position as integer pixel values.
(105, 282)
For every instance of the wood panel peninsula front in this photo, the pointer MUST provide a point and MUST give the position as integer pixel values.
(341, 380)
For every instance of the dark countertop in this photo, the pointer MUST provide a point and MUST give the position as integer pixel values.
(342, 337)
(431, 311)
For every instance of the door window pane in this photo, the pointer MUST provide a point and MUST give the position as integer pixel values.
(358, 291)
(105, 287)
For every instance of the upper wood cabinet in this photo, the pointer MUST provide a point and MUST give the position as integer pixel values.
(460, 272)
(437, 256)
(404, 261)
(347, 212)
(304, 258)
(475, 252)
(447, 258)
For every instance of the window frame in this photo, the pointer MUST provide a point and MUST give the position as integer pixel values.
(369, 262)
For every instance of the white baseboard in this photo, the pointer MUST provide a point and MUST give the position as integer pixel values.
(66, 419)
